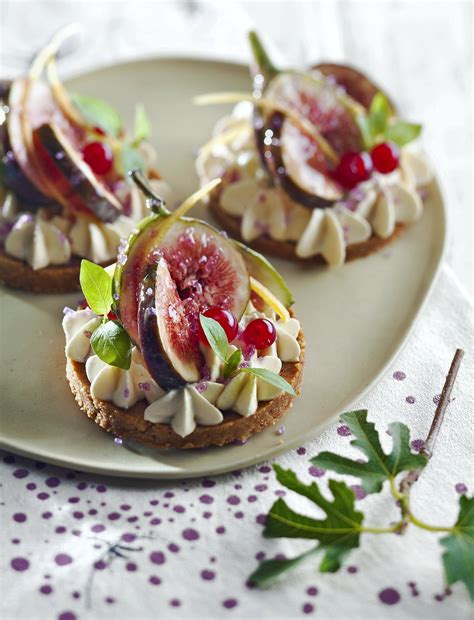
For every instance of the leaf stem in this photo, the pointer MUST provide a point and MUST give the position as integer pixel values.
(381, 530)
(426, 526)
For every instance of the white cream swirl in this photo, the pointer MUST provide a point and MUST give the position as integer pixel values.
(187, 407)
(38, 241)
(373, 208)
(122, 387)
(78, 326)
(196, 403)
(244, 391)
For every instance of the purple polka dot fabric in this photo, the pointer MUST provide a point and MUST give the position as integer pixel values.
(79, 546)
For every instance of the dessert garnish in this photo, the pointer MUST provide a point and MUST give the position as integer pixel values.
(189, 340)
(64, 162)
(315, 164)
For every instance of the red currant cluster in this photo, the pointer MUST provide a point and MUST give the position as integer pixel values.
(260, 333)
(353, 168)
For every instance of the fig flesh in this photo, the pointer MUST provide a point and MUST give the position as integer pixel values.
(206, 267)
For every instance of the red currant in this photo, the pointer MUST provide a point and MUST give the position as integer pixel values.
(260, 333)
(385, 157)
(352, 169)
(98, 156)
(112, 316)
(226, 320)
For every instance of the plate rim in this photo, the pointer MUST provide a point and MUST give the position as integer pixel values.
(149, 473)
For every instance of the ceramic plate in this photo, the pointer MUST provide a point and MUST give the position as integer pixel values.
(355, 318)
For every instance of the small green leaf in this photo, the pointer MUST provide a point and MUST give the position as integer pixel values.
(98, 113)
(96, 285)
(402, 133)
(270, 377)
(458, 558)
(232, 363)
(379, 114)
(269, 570)
(142, 127)
(363, 123)
(112, 344)
(131, 159)
(216, 336)
(380, 466)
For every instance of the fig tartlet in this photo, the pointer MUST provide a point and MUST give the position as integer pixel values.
(316, 165)
(192, 342)
(64, 191)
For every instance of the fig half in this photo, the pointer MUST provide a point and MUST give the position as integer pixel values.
(205, 267)
(165, 330)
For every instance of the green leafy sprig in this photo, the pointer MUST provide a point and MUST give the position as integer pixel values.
(217, 339)
(110, 342)
(99, 114)
(380, 125)
(339, 532)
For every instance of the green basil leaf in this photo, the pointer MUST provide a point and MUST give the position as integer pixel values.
(142, 127)
(232, 363)
(216, 336)
(96, 285)
(112, 344)
(379, 114)
(272, 378)
(363, 122)
(98, 113)
(131, 159)
(402, 133)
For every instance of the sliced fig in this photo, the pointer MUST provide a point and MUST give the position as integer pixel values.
(319, 103)
(12, 174)
(300, 168)
(263, 271)
(73, 177)
(356, 84)
(206, 267)
(24, 117)
(168, 343)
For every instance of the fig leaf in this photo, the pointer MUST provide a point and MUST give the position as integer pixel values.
(380, 466)
(458, 558)
(272, 378)
(98, 113)
(96, 285)
(112, 344)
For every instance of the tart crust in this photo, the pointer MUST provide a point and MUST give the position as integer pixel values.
(130, 424)
(17, 274)
(287, 249)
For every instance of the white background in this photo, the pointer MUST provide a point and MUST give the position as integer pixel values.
(421, 52)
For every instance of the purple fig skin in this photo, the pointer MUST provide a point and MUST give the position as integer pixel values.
(272, 159)
(356, 84)
(155, 358)
(13, 176)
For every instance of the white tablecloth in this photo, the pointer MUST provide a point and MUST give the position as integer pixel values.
(80, 546)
